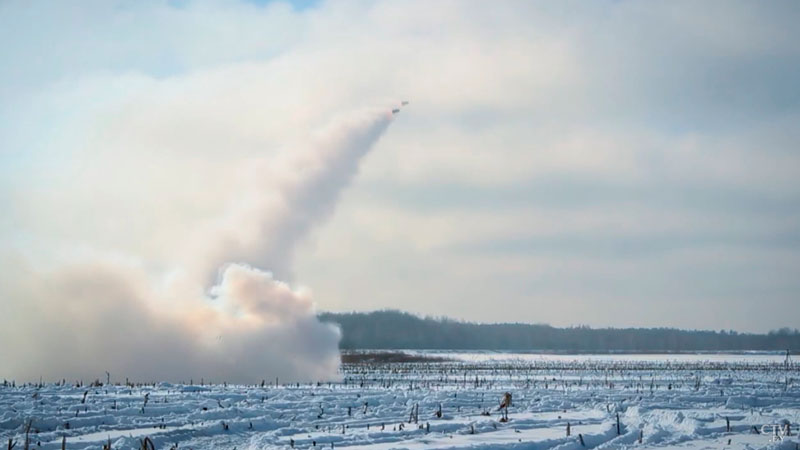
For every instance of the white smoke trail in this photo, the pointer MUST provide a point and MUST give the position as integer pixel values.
(80, 320)
(287, 197)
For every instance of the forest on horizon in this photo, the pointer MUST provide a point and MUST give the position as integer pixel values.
(391, 329)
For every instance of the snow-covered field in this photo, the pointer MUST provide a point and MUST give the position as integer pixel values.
(672, 401)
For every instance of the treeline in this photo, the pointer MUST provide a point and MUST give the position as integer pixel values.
(400, 330)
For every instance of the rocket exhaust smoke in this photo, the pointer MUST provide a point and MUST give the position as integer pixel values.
(289, 196)
(220, 310)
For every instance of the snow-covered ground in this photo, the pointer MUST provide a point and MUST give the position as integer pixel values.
(672, 401)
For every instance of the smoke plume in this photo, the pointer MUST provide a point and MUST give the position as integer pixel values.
(217, 310)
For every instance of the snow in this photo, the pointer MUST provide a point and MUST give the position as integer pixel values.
(670, 401)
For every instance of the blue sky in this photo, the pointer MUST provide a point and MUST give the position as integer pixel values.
(298, 5)
(607, 163)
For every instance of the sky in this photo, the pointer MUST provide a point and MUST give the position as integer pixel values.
(610, 163)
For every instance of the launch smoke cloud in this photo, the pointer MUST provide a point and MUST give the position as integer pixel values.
(216, 308)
